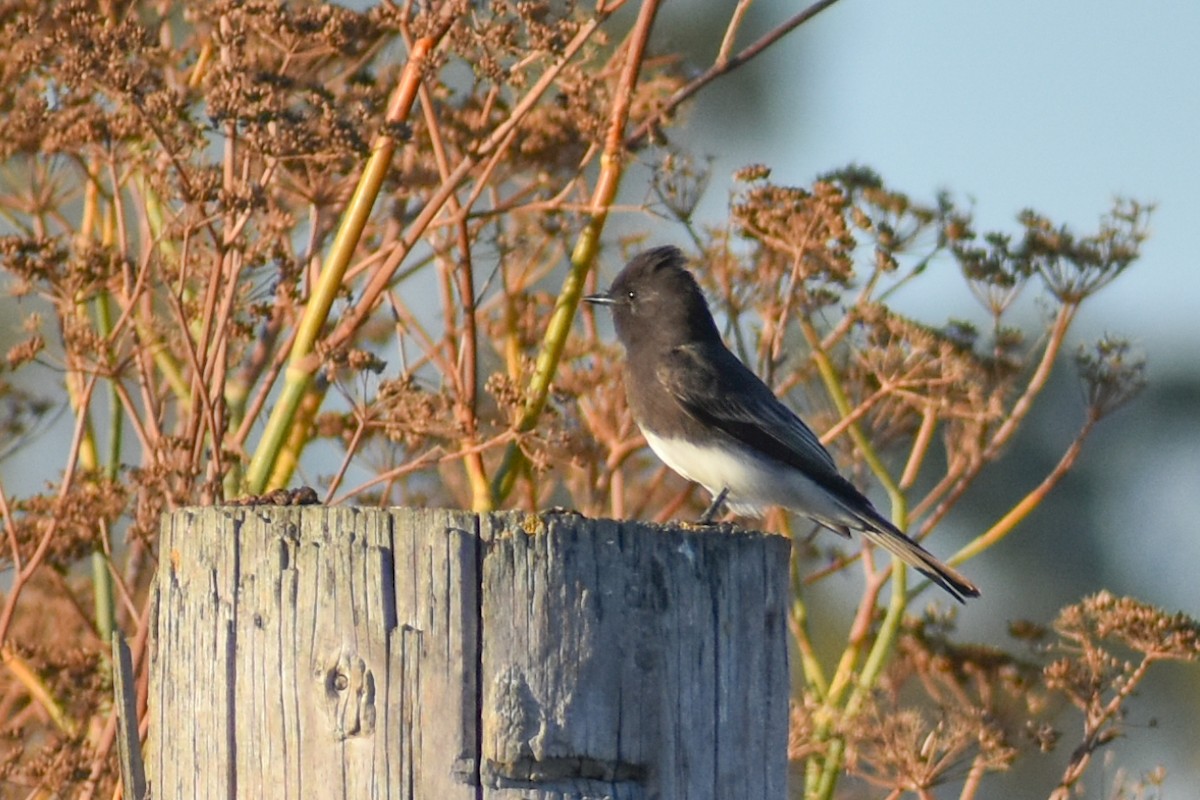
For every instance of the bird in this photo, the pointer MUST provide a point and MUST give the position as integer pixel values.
(709, 418)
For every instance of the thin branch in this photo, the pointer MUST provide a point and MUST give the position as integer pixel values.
(953, 486)
(559, 326)
(433, 207)
(1028, 503)
(635, 139)
(731, 30)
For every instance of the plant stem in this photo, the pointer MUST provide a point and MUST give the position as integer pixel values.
(586, 247)
(299, 372)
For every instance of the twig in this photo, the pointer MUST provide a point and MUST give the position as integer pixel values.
(383, 276)
(635, 139)
(559, 326)
(302, 363)
(948, 490)
(1028, 503)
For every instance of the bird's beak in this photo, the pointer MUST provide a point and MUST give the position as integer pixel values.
(601, 299)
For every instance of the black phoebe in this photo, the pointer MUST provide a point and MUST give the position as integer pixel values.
(714, 422)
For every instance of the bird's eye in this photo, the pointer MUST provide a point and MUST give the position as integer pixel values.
(631, 294)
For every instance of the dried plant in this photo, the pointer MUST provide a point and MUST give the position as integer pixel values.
(232, 230)
(947, 714)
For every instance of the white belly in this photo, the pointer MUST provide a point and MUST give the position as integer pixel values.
(755, 483)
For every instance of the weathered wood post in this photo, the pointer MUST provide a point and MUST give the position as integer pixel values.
(312, 652)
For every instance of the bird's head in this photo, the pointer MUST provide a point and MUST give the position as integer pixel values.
(655, 298)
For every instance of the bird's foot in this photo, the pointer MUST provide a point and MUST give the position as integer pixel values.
(710, 514)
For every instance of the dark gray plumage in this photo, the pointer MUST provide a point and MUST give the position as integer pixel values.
(711, 419)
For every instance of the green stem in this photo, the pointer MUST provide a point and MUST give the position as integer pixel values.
(102, 586)
(814, 674)
(301, 363)
(821, 780)
(553, 344)
(559, 327)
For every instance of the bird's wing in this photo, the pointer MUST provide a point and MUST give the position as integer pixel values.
(712, 385)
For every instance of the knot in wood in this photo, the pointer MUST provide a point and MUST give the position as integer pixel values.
(349, 693)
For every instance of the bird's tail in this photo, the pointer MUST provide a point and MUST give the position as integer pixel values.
(888, 536)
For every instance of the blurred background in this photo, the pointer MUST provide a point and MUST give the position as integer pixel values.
(1058, 107)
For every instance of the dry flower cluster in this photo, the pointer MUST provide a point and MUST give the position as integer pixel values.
(991, 706)
(237, 237)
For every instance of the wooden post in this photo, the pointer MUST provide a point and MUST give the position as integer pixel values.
(433, 655)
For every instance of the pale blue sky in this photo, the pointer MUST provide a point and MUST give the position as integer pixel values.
(1058, 106)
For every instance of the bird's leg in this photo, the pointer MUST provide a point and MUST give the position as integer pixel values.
(707, 517)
